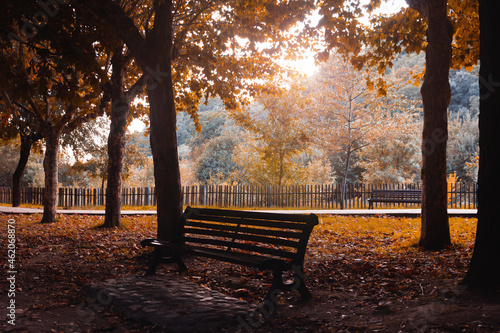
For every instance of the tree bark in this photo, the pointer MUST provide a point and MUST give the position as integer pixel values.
(344, 181)
(163, 123)
(436, 94)
(116, 142)
(484, 270)
(165, 157)
(24, 154)
(50, 167)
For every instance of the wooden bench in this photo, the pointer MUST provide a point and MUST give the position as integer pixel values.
(396, 196)
(266, 241)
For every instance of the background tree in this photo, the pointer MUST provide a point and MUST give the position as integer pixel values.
(33, 173)
(54, 94)
(463, 145)
(278, 137)
(201, 40)
(318, 172)
(395, 156)
(484, 270)
(121, 100)
(216, 164)
(9, 130)
(91, 166)
(427, 25)
(343, 112)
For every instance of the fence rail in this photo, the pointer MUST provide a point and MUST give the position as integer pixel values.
(460, 195)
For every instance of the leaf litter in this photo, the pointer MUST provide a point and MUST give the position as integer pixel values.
(366, 274)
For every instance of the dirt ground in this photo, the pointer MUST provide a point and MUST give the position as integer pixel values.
(353, 291)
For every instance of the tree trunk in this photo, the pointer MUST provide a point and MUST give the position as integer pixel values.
(50, 167)
(116, 142)
(344, 181)
(24, 155)
(281, 157)
(165, 157)
(436, 94)
(163, 124)
(484, 270)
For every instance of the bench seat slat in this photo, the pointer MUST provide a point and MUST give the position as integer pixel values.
(285, 233)
(238, 258)
(242, 246)
(202, 213)
(242, 236)
(234, 257)
(248, 222)
(395, 200)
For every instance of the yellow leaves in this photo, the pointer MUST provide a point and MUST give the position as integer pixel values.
(417, 79)
(276, 137)
(369, 84)
(401, 31)
(382, 88)
(385, 234)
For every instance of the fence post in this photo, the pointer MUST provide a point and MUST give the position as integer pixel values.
(269, 196)
(201, 194)
(30, 193)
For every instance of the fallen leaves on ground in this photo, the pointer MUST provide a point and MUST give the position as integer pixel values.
(359, 269)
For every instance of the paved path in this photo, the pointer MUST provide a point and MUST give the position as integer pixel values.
(174, 304)
(367, 212)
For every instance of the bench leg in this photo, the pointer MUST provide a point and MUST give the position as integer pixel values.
(277, 288)
(158, 258)
(300, 283)
(154, 264)
(304, 292)
(180, 263)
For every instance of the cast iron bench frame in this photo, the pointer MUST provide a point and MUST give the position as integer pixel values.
(266, 241)
(396, 196)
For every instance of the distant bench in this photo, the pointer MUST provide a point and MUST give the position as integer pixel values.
(395, 196)
(266, 241)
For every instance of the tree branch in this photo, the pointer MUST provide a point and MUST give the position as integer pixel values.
(418, 5)
(113, 13)
(136, 89)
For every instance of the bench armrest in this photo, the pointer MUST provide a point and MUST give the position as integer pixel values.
(155, 242)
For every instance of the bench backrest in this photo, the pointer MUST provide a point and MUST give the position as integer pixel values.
(282, 236)
(397, 194)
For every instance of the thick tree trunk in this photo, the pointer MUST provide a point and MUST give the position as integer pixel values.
(435, 231)
(24, 155)
(166, 161)
(116, 143)
(484, 270)
(163, 123)
(50, 167)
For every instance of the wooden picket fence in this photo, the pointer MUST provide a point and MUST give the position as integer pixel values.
(460, 195)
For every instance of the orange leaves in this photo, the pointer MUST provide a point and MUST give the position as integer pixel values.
(82, 237)
(377, 256)
(379, 235)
